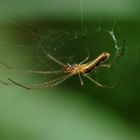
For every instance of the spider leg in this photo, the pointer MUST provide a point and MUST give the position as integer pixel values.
(4, 83)
(18, 84)
(99, 84)
(51, 83)
(83, 61)
(31, 71)
(57, 80)
(44, 72)
(13, 82)
(54, 59)
(81, 81)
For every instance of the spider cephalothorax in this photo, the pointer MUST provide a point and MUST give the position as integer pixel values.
(69, 68)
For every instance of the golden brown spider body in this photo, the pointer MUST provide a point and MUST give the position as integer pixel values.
(87, 67)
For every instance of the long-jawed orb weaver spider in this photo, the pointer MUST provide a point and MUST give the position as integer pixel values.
(77, 69)
(69, 70)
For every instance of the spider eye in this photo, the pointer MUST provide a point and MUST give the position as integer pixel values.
(66, 65)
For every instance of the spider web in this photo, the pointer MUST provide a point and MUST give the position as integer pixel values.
(24, 46)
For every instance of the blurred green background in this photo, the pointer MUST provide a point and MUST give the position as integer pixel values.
(69, 111)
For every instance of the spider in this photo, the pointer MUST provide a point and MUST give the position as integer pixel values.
(69, 70)
(84, 69)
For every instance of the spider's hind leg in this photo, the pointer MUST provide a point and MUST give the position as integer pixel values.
(99, 84)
